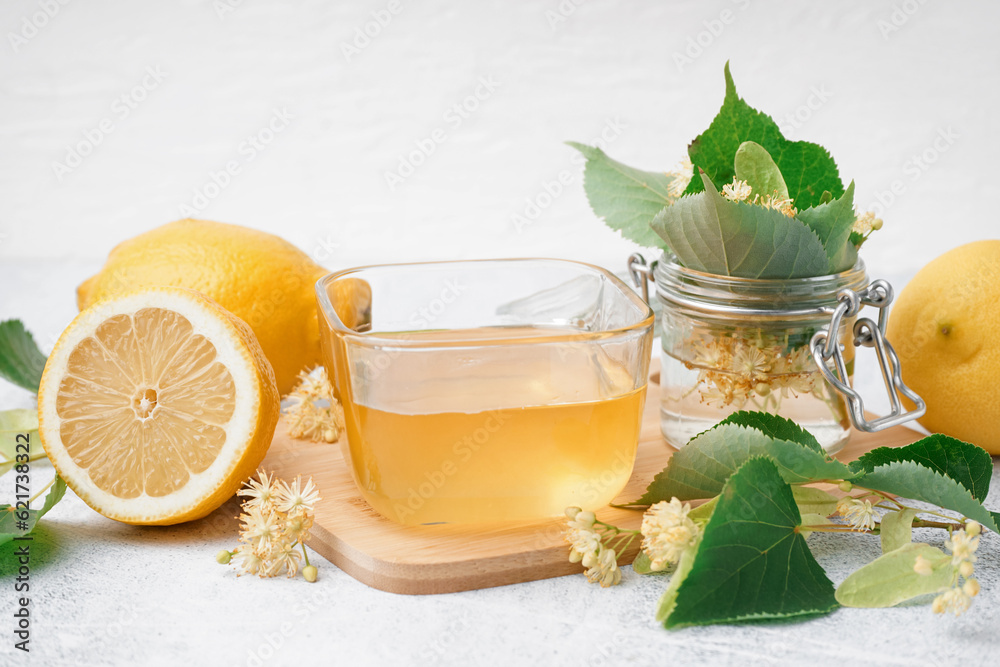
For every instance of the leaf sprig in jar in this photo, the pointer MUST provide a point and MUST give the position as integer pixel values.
(760, 242)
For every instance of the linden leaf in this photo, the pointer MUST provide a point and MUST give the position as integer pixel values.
(832, 223)
(967, 464)
(712, 234)
(626, 198)
(700, 469)
(891, 579)
(807, 168)
(669, 598)
(21, 362)
(914, 480)
(14, 423)
(777, 427)
(10, 521)
(811, 500)
(754, 165)
(752, 562)
(896, 529)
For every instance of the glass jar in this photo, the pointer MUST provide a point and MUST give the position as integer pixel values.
(732, 344)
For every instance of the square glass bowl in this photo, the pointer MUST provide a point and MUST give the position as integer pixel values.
(489, 390)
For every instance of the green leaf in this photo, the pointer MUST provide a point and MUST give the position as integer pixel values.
(913, 480)
(967, 464)
(712, 234)
(891, 579)
(12, 424)
(811, 500)
(669, 598)
(777, 427)
(754, 165)
(702, 513)
(700, 469)
(896, 529)
(807, 168)
(752, 562)
(626, 198)
(9, 522)
(21, 362)
(832, 223)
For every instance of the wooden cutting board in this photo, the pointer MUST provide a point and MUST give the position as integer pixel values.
(417, 560)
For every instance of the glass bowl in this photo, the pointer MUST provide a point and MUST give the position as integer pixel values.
(489, 390)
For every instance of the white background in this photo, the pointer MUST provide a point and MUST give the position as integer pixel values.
(884, 80)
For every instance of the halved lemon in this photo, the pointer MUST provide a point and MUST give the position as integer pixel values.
(156, 405)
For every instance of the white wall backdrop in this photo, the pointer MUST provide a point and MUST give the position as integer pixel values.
(114, 116)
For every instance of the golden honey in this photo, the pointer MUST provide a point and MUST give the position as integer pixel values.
(513, 431)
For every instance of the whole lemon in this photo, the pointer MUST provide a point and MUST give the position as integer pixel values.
(262, 279)
(944, 328)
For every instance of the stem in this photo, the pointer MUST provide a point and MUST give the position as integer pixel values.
(924, 523)
(304, 552)
(834, 528)
(44, 489)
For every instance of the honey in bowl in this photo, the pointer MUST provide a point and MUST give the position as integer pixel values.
(507, 420)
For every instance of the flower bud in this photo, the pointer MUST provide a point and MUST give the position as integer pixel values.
(845, 486)
(309, 573)
(587, 518)
(762, 388)
(329, 435)
(972, 528)
(965, 569)
(571, 512)
(971, 588)
(223, 557)
(877, 224)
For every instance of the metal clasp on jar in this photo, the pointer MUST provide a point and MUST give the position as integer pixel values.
(867, 333)
(825, 347)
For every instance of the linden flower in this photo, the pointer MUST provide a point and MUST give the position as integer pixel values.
(681, 177)
(922, 566)
(291, 497)
(963, 545)
(859, 514)
(605, 570)
(750, 362)
(314, 413)
(297, 525)
(866, 223)
(737, 190)
(260, 527)
(585, 542)
(955, 600)
(667, 532)
(261, 491)
(276, 519)
(247, 560)
(283, 557)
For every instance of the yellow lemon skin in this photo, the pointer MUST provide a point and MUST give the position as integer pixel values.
(944, 326)
(261, 279)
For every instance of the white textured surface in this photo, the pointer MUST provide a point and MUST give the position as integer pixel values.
(106, 593)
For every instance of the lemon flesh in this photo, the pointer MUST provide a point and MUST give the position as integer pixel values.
(155, 406)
